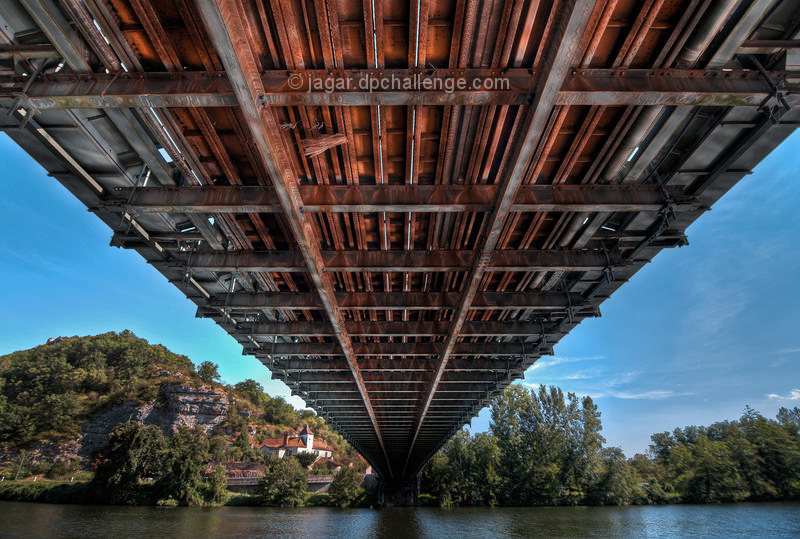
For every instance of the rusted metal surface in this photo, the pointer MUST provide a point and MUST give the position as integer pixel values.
(453, 234)
(396, 261)
(584, 87)
(399, 198)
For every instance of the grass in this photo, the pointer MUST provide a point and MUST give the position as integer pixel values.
(45, 491)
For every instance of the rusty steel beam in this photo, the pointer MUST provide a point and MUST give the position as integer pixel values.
(396, 261)
(391, 377)
(28, 51)
(675, 87)
(386, 349)
(379, 364)
(561, 56)
(395, 328)
(427, 301)
(458, 389)
(224, 20)
(397, 198)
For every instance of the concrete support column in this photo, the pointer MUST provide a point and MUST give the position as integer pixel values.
(399, 493)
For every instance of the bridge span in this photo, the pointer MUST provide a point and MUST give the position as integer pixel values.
(398, 207)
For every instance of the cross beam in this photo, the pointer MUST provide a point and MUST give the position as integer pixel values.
(392, 377)
(382, 364)
(396, 328)
(397, 300)
(672, 87)
(273, 350)
(398, 198)
(396, 261)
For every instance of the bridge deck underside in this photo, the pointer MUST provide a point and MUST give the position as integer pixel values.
(444, 241)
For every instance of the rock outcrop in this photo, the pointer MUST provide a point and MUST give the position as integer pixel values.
(178, 405)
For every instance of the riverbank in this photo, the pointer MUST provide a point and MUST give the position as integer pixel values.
(81, 493)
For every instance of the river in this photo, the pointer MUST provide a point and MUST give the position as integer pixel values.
(734, 520)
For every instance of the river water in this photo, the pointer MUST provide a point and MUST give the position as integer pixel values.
(735, 520)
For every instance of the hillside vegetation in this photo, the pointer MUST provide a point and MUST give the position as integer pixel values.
(48, 393)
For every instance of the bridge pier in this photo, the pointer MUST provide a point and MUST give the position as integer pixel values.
(398, 493)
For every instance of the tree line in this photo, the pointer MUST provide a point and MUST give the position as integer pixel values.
(545, 448)
(142, 466)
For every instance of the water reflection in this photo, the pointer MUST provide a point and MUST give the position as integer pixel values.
(743, 520)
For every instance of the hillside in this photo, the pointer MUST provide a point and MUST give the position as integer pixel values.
(59, 401)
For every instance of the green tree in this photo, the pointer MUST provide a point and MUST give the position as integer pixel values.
(436, 479)
(345, 488)
(790, 419)
(285, 483)
(188, 456)
(218, 485)
(207, 371)
(778, 451)
(546, 442)
(306, 459)
(216, 447)
(713, 476)
(278, 412)
(253, 390)
(134, 452)
(616, 481)
(243, 440)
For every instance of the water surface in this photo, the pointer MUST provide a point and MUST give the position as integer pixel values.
(734, 520)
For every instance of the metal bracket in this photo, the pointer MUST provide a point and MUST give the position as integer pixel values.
(778, 91)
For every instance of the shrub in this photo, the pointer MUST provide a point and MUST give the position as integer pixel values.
(346, 487)
(285, 483)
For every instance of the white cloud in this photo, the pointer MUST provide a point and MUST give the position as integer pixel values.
(789, 350)
(578, 376)
(532, 385)
(794, 395)
(655, 394)
(558, 360)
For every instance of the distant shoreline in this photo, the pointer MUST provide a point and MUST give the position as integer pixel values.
(78, 493)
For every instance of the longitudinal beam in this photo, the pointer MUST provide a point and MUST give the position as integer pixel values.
(671, 87)
(398, 198)
(224, 21)
(562, 55)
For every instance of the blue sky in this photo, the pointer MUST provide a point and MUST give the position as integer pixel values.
(695, 336)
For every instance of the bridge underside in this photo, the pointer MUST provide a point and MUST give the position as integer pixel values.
(398, 256)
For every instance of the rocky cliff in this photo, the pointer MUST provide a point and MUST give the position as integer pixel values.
(178, 405)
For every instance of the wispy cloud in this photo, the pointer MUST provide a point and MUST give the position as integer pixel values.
(579, 376)
(655, 394)
(794, 395)
(789, 351)
(559, 360)
(532, 385)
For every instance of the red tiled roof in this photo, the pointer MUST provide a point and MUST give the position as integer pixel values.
(321, 445)
(272, 442)
(294, 442)
(277, 443)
